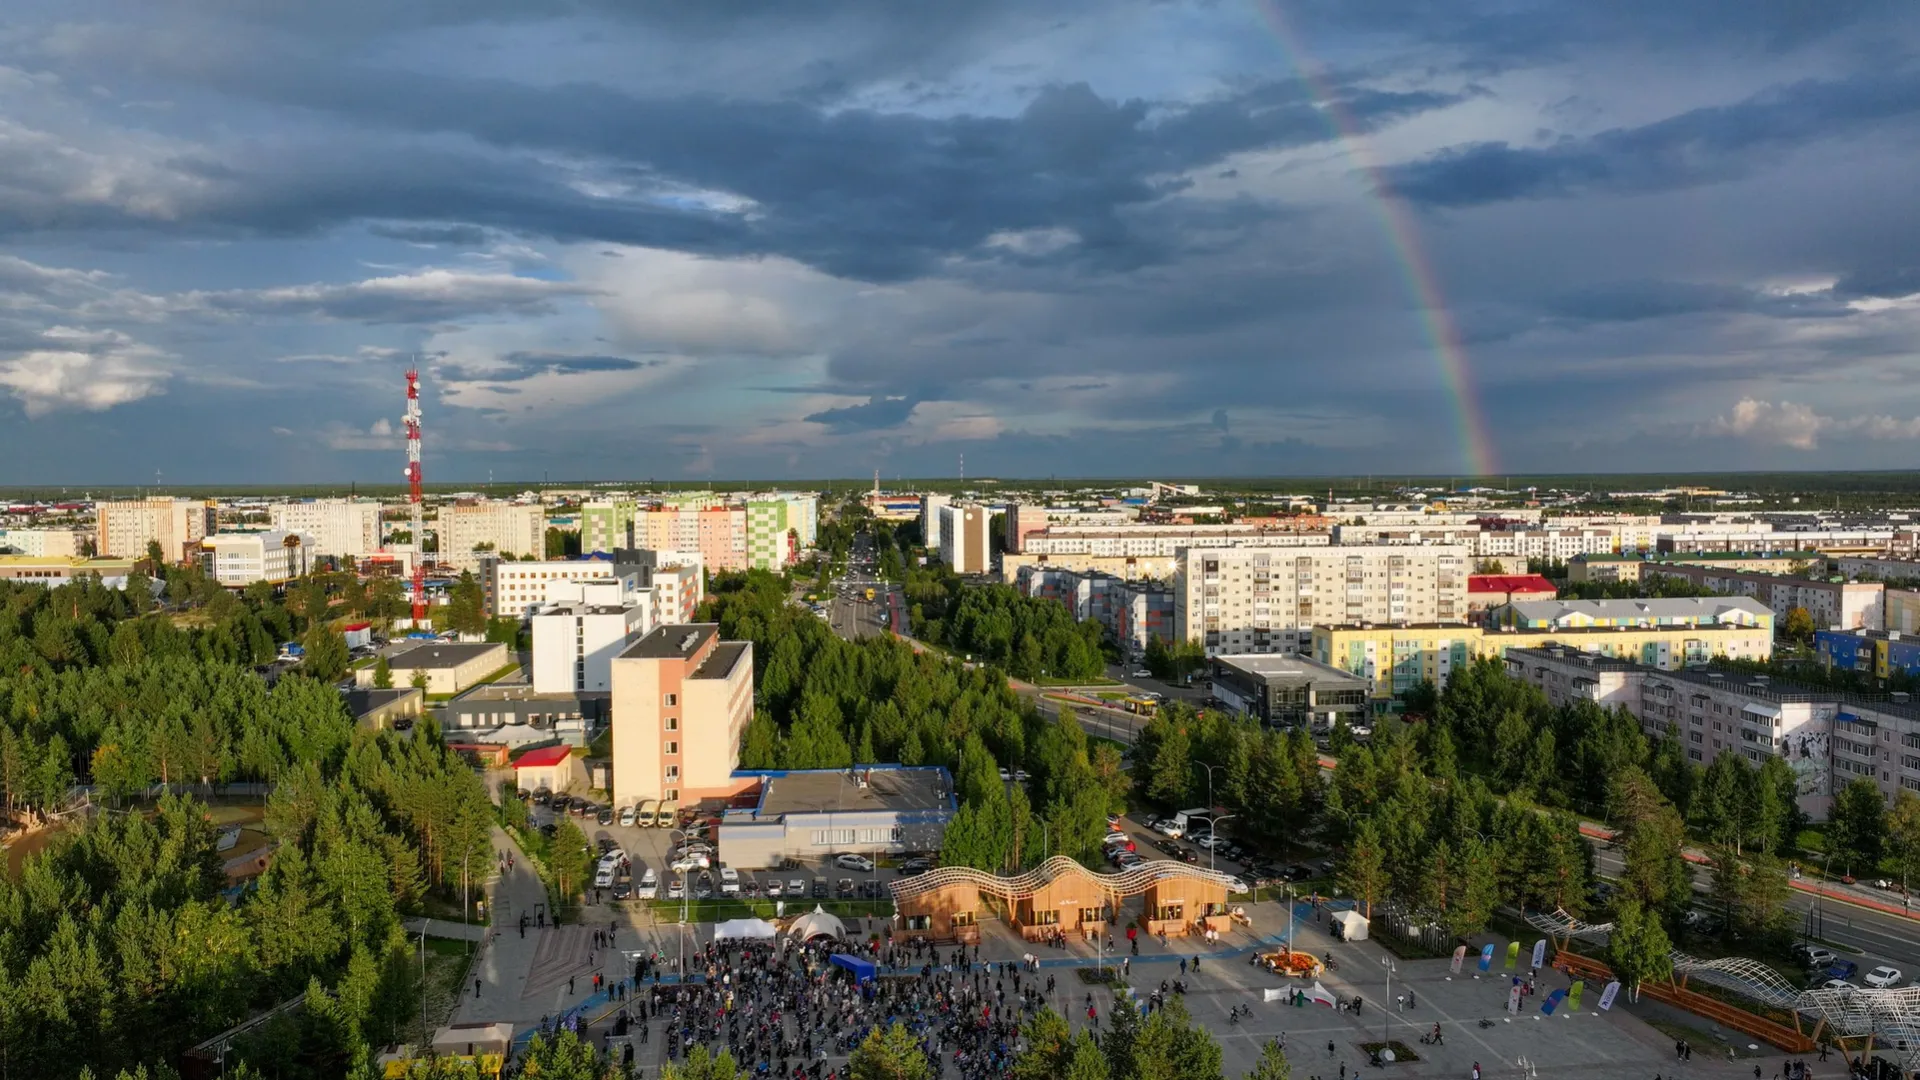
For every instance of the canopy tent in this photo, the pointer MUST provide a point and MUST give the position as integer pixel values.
(862, 970)
(1353, 925)
(817, 923)
(745, 930)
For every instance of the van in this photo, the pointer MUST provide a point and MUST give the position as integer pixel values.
(729, 881)
(649, 887)
(1183, 820)
(665, 813)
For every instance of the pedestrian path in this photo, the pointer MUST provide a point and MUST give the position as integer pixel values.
(442, 928)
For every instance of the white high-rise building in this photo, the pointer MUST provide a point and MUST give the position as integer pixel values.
(342, 528)
(1249, 599)
(966, 544)
(237, 560)
(124, 529)
(44, 543)
(468, 530)
(930, 505)
(576, 638)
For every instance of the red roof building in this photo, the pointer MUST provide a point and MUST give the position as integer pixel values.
(1485, 591)
(544, 757)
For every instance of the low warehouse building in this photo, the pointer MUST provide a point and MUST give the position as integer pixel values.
(449, 667)
(869, 810)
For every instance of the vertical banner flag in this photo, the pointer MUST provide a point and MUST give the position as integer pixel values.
(1540, 953)
(1553, 1000)
(1513, 954)
(1513, 999)
(1459, 957)
(1606, 996)
(1486, 957)
(1573, 994)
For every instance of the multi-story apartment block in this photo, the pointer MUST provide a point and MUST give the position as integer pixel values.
(966, 543)
(576, 639)
(1134, 612)
(1834, 605)
(1877, 653)
(1751, 538)
(45, 543)
(342, 528)
(1628, 567)
(124, 529)
(237, 560)
(1398, 658)
(772, 541)
(1615, 614)
(470, 529)
(1254, 600)
(718, 533)
(930, 507)
(515, 589)
(606, 525)
(1561, 544)
(1023, 521)
(682, 699)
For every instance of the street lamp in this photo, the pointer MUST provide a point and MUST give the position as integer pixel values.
(1386, 1014)
(686, 890)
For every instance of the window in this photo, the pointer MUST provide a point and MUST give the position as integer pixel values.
(673, 773)
(672, 700)
(672, 723)
(963, 918)
(672, 748)
(1170, 912)
(1092, 915)
(1046, 917)
(832, 837)
(919, 922)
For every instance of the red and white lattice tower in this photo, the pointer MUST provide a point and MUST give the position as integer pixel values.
(412, 420)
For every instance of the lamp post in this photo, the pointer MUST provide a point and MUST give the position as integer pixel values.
(1386, 1014)
(1209, 769)
(686, 890)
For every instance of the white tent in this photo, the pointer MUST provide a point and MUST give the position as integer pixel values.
(817, 923)
(745, 930)
(1353, 925)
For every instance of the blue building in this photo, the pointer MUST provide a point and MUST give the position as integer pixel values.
(1870, 652)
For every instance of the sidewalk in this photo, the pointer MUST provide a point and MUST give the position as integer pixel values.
(441, 928)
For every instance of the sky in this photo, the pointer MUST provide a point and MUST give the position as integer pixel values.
(632, 239)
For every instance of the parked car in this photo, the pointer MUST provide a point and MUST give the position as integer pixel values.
(603, 877)
(1842, 969)
(676, 888)
(523, 795)
(1838, 984)
(627, 818)
(688, 863)
(1168, 828)
(605, 816)
(649, 887)
(1234, 884)
(1882, 977)
(796, 887)
(703, 888)
(1814, 956)
(917, 865)
(729, 881)
(819, 888)
(854, 862)
(870, 889)
(1128, 860)
(1209, 841)
(774, 889)
(1113, 821)
(623, 888)
(846, 888)
(1141, 673)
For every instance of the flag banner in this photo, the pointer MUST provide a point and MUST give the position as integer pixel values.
(1606, 996)
(1513, 954)
(1573, 994)
(1486, 957)
(1321, 994)
(1540, 953)
(1272, 993)
(1459, 957)
(1513, 999)
(1553, 1000)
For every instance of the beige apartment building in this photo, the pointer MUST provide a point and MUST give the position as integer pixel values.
(469, 529)
(966, 543)
(343, 528)
(682, 699)
(124, 529)
(1254, 600)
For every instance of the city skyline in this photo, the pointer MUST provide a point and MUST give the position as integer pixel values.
(1137, 239)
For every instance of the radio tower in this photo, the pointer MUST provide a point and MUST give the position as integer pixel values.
(412, 420)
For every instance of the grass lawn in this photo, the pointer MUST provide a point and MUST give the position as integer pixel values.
(446, 966)
(504, 671)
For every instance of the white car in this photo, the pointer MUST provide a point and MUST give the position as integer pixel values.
(695, 861)
(1207, 840)
(774, 889)
(676, 888)
(854, 862)
(648, 887)
(1116, 839)
(613, 855)
(729, 881)
(1882, 977)
(1143, 673)
(1234, 884)
(1838, 984)
(1168, 828)
(797, 887)
(603, 879)
(626, 818)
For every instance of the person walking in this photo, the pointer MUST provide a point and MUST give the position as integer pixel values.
(476, 988)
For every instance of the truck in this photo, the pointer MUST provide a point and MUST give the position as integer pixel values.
(869, 594)
(1183, 819)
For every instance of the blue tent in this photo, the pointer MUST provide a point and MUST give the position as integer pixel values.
(862, 970)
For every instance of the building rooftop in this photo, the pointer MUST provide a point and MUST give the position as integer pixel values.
(442, 655)
(1704, 609)
(1868, 635)
(1285, 666)
(543, 757)
(362, 702)
(720, 662)
(1509, 583)
(823, 791)
(672, 641)
(1700, 557)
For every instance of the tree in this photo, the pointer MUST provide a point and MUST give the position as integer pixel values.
(1903, 834)
(1272, 1064)
(1798, 626)
(892, 1054)
(1049, 1047)
(327, 654)
(565, 1056)
(466, 606)
(382, 673)
(702, 1065)
(1638, 948)
(570, 862)
(1651, 838)
(418, 680)
(1752, 892)
(1086, 1062)
(1363, 871)
(1857, 826)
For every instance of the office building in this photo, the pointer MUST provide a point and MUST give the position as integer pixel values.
(340, 528)
(469, 530)
(124, 529)
(606, 526)
(930, 507)
(1268, 599)
(515, 589)
(579, 632)
(682, 699)
(54, 571)
(237, 560)
(1834, 604)
(870, 810)
(966, 544)
(45, 543)
(1289, 690)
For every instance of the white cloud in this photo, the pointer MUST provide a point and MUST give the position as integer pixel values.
(83, 369)
(669, 301)
(426, 296)
(1798, 426)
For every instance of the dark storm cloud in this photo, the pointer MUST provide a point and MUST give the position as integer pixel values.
(1636, 300)
(457, 235)
(520, 366)
(426, 297)
(878, 413)
(1701, 146)
(1894, 281)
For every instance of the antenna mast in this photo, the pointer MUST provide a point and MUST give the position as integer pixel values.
(412, 421)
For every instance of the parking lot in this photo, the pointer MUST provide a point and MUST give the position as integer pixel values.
(1256, 872)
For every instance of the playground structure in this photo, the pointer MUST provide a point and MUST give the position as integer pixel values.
(1061, 896)
(1854, 1019)
(1294, 965)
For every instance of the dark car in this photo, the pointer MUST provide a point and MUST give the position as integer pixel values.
(820, 888)
(605, 816)
(914, 866)
(623, 889)
(1299, 872)
(870, 889)
(846, 888)
(547, 829)
(523, 794)
(578, 807)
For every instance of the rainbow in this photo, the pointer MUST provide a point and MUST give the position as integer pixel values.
(1403, 238)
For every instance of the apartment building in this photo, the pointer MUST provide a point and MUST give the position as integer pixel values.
(237, 560)
(468, 530)
(341, 528)
(1749, 537)
(1257, 600)
(1834, 604)
(1628, 567)
(122, 530)
(772, 541)
(45, 543)
(1687, 611)
(1160, 541)
(717, 533)
(930, 506)
(682, 699)
(966, 543)
(606, 525)
(1398, 658)
(1878, 653)
(1133, 612)
(576, 638)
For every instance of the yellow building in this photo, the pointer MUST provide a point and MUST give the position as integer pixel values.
(1398, 658)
